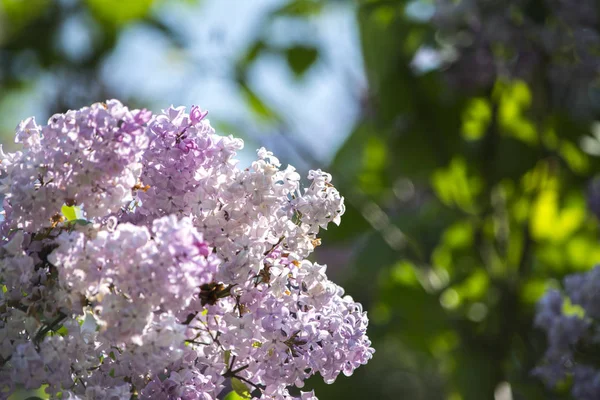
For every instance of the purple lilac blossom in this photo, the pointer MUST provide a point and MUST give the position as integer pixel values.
(572, 335)
(181, 272)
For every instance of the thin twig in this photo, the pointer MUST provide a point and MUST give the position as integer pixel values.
(42, 332)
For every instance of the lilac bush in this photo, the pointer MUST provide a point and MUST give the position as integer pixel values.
(571, 324)
(139, 261)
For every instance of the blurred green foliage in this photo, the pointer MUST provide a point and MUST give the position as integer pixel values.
(31, 50)
(488, 187)
(464, 207)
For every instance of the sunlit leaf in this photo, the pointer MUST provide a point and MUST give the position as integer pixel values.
(70, 212)
(234, 396)
(569, 308)
(577, 160)
(475, 286)
(459, 235)
(240, 388)
(374, 154)
(549, 221)
(119, 12)
(403, 272)
(514, 101)
(456, 186)
(32, 394)
(534, 289)
(476, 118)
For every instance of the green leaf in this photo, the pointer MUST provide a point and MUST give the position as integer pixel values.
(227, 356)
(117, 12)
(30, 394)
(456, 185)
(256, 104)
(63, 331)
(301, 58)
(476, 118)
(253, 52)
(17, 14)
(234, 396)
(300, 8)
(240, 388)
(70, 213)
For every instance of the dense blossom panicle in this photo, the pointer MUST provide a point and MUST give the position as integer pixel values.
(90, 157)
(136, 258)
(572, 335)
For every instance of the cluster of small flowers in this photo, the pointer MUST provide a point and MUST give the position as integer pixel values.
(138, 261)
(572, 329)
(556, 40)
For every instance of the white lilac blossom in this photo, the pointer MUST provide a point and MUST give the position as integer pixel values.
(139, 261)
(570, 322)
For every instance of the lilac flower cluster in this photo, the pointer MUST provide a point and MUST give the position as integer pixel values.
(550, 42)
(90, 157)
(572, 329)
(138, 261)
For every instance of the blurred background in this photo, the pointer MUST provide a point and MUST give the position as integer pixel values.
(464, 135)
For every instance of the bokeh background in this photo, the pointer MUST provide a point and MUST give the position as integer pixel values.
(464, 135)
